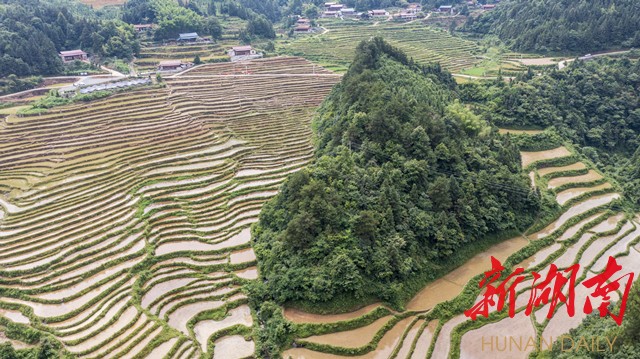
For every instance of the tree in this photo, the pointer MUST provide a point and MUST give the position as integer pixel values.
(47, 350)
(311, 12)
(197, 60)
(561, 26)
(632, 318)
(214, 28)
(212, 10)
(261, 26)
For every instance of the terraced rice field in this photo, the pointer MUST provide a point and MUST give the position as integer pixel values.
(124, 223)
(588, 231)
(336, 46)
(150, 56)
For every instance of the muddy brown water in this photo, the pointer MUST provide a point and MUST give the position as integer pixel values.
(243, 256)
(589, 177)
(575, 210)
(142, 344)
(598, 245)
(405, 348)
(233, 347)
(14, 315)
(569, 194)
(249, 273)
(127, 319)
(298, 316)
(540, 256)
(451, 285)
(165, 248)
(351, 338)
(531, 157)
(163, 349)
(424, 341)
(619, 247)
(481, 344)
(443, 343)
(385, 347)
(610, 224)
(181, 316)
(237, 316)
(573, 167)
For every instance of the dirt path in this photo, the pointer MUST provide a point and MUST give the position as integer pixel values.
(563, 61)
(113, 73)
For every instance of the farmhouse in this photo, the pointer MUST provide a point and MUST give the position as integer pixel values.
(170, 65)
(349, 12)
(327, 5)
(446, 8)
(407, 16)
(414, 8)
(302, 28)
(242, 51)
(378, 13)
(303, 21)
(329, 14)
(68, 56)
(143, 27)
(336, 7)
(188, 37)
(488, 6)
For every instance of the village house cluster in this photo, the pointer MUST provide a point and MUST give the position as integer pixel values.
(411, 12)
(332, 9)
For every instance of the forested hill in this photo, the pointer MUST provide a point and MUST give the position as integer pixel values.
(404, 176)
(579, 26)
(32, 32)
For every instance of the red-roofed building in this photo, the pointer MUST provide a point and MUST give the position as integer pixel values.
(378, 13)
(170, 65)
(242, 51)
(69, 56)
(407, 16)
(302, 28)
(329, 14)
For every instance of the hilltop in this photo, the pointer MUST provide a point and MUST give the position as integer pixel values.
(403, 177)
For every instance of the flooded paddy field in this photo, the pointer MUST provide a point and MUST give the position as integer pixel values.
(587, 246)
(125, 221)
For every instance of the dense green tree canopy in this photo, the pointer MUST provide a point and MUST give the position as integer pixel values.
(403, 177)
(578, 26)
(594, 104)
(32, 32)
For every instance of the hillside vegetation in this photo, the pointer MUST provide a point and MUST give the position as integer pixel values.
(34, 31)
(595, 105)
(577, 26)
(403, 177)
